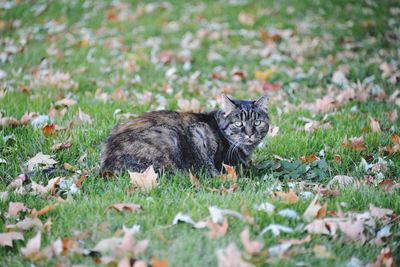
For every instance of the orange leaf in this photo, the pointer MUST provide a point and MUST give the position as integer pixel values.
(145, 181)
(289, 197)
(49, 129)
(125, 207)
(159, 263)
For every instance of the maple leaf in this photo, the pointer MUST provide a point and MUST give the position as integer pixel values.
(231, 257)
(217, 230)
(29, 223)
(120, 207)
(60, 146)
(252, 247)
(40, 159)
(289, 197)
(49, 129)
(6, 239)
(380, 213)
(315, 210)
(145, 181)
(14, 208)
(32, 249)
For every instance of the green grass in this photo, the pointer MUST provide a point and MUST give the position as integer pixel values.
(331, 24)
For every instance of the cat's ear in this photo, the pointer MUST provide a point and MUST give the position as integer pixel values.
(262, 102)
(227, 105)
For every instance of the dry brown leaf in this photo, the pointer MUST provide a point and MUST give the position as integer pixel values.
(246, 19)
(18, 181)
(318, 226)
(353, 230)
(6, 239)
(29, 223)
(273, 131)
(355, 143)
(14, 208)
(380, 213)
(60, 146)
(65, 102)
(83, 117)
(195, 182)
(32, 249)
(192, 105)
(389, 186)
(231, 257)
(125, 207)
(385, 259)
(252, 247)
(375, 126)
(44, 210)
(145, 181)
(289, 197)
(305, 240)
(230, 175)
(217, 230)
(129, 245)
(314, 209)
(38, 160)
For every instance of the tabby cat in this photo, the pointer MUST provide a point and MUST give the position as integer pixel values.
(196, 142)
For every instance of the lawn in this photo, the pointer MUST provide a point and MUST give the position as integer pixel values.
(72, 70)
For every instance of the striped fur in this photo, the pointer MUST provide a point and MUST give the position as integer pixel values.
(172, 141)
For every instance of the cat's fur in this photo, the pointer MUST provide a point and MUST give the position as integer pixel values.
(172, 141)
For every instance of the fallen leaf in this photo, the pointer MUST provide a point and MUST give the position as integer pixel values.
(217, 230)
(353, 230)
(195, 182)
(14, 208)
(389, 186)
(355, 143)
(230, 176)
(83, 117)
(278, 250)
(60, 146)
(375, 126)
(49, 129)
(125, 207)
(65, 102)
(217, 214)
(289, 197)
(315, 210)
(40, 159)
(385, 259)
(276, 229)
(342, 181)
(159, 263)
(246, 19)
(6, 239)
(186, 218)
(305, 240)
(266, 207)
(380, 213)
(263, 75)
(32, 249)
(321, 252)
(29, 223)
(44, 210)
(231, 257)
(18, 181)
(145, 181)
(273, 131)
(252, 247)
(288, 213)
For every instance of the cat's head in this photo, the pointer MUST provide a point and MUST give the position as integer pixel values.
(243, 122)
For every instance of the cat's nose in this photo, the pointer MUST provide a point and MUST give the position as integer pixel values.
(249, 136)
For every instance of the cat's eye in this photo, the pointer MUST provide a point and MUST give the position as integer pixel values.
(238, 124)
(257, 123)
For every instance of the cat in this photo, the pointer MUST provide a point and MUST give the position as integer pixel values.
(184, 141)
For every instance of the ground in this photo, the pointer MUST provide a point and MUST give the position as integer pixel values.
(330, 68)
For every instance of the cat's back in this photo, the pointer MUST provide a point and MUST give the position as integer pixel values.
(155, 138)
